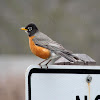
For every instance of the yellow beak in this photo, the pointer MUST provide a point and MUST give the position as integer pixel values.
(23, 28)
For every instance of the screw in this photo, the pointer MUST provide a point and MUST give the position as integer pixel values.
(88, 79)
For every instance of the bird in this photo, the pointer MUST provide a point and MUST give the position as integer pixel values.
(44, 47)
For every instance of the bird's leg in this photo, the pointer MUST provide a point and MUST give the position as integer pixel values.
(48, 63)
(41, 63)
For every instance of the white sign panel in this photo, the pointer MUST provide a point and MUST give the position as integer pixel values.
(63, 83)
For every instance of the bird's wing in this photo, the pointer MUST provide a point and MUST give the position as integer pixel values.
(44, 41)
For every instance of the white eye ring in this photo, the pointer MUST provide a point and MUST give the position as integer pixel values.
(30, 28)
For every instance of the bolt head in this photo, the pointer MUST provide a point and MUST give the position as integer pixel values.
(88, 79)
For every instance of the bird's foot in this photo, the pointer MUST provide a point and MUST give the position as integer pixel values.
(41, 63)
(46, 65)
(40, 66)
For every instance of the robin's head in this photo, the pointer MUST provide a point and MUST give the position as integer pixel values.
(31, 29)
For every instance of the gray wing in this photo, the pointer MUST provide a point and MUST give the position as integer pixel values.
(43, 40)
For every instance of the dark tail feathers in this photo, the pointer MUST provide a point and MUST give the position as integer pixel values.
(70, 57)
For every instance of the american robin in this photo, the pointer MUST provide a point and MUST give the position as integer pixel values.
(44, 47)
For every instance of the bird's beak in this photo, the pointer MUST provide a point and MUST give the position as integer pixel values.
(23, 28)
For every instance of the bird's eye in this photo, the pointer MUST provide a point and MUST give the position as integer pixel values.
(30, 28)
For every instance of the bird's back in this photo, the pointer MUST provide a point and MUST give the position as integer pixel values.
(43, 40)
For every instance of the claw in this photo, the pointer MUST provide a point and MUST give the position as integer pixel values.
(48, 63)
(41, 63)
(40, 66)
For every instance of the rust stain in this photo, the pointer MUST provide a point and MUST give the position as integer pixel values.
(89, 90)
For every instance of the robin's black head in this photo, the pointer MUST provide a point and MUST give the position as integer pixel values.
(31, 29)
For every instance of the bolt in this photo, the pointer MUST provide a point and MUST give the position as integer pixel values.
(88, 79)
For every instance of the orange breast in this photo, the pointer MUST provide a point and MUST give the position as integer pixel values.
(37, 50)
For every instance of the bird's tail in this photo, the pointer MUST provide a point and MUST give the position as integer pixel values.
(70, 57)
(77, 58)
